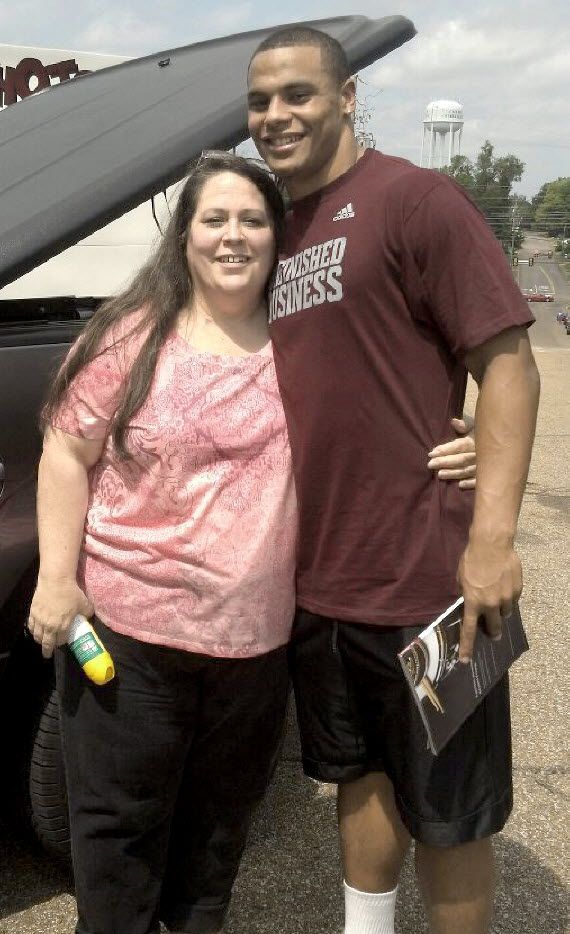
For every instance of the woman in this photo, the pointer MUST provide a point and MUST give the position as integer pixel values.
(166, 507)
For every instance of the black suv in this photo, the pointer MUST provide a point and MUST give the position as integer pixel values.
(34, 336)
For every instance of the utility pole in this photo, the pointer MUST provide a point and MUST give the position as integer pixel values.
(362, 116)
(513, 228)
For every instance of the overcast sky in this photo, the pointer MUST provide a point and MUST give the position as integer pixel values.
(507, 63)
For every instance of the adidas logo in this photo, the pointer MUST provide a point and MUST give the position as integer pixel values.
(344, 213)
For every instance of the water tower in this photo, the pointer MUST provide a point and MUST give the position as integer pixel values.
(443, 120)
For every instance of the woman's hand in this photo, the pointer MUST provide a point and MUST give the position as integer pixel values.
(457, 460)
(63, 494)
(54, 606)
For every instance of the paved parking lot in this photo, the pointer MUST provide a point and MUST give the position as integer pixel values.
(290, 879)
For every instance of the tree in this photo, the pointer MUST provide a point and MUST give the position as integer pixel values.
(552, 212)
(461, 170)
(539, 197)
(489, 181)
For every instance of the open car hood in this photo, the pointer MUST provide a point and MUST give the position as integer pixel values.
(80, 154)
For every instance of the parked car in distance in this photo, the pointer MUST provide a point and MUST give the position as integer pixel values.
(547, 253)
(539, 297)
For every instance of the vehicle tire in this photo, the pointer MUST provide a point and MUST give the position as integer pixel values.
(48, 793)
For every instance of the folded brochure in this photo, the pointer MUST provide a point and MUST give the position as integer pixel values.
(446, 691)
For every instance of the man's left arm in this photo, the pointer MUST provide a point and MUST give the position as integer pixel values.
(489, 571)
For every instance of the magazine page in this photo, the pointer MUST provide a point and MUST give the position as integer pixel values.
(445, 690)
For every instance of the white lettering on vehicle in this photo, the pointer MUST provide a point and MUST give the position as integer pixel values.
(31, 75)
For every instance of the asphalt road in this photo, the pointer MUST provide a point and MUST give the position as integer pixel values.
(290, 878)
(547, 332)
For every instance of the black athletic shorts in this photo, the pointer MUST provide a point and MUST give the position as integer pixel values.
(356, 715)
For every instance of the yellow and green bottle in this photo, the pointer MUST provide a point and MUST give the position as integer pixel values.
(90, 651)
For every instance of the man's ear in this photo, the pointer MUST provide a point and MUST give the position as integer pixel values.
(348, 94)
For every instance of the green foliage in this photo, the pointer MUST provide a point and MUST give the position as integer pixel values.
(461, 169)
(539, 197)
(552, 207)
(489, 181)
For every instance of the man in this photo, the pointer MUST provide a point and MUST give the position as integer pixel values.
(390, 288)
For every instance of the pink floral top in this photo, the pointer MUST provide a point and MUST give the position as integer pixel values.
(192, 543)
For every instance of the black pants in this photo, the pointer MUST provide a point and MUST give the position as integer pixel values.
(165, 765)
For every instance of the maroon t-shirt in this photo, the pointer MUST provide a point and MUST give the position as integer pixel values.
(389, 276)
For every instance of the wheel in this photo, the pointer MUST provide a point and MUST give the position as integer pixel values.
(48, 793)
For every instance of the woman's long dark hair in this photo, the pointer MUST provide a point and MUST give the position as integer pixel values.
(159, 290)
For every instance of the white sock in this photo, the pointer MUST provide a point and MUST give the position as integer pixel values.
(369, 912)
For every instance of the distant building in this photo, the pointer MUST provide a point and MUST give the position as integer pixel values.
(443, 122)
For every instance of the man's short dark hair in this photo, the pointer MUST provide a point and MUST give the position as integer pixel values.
(333, 55)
